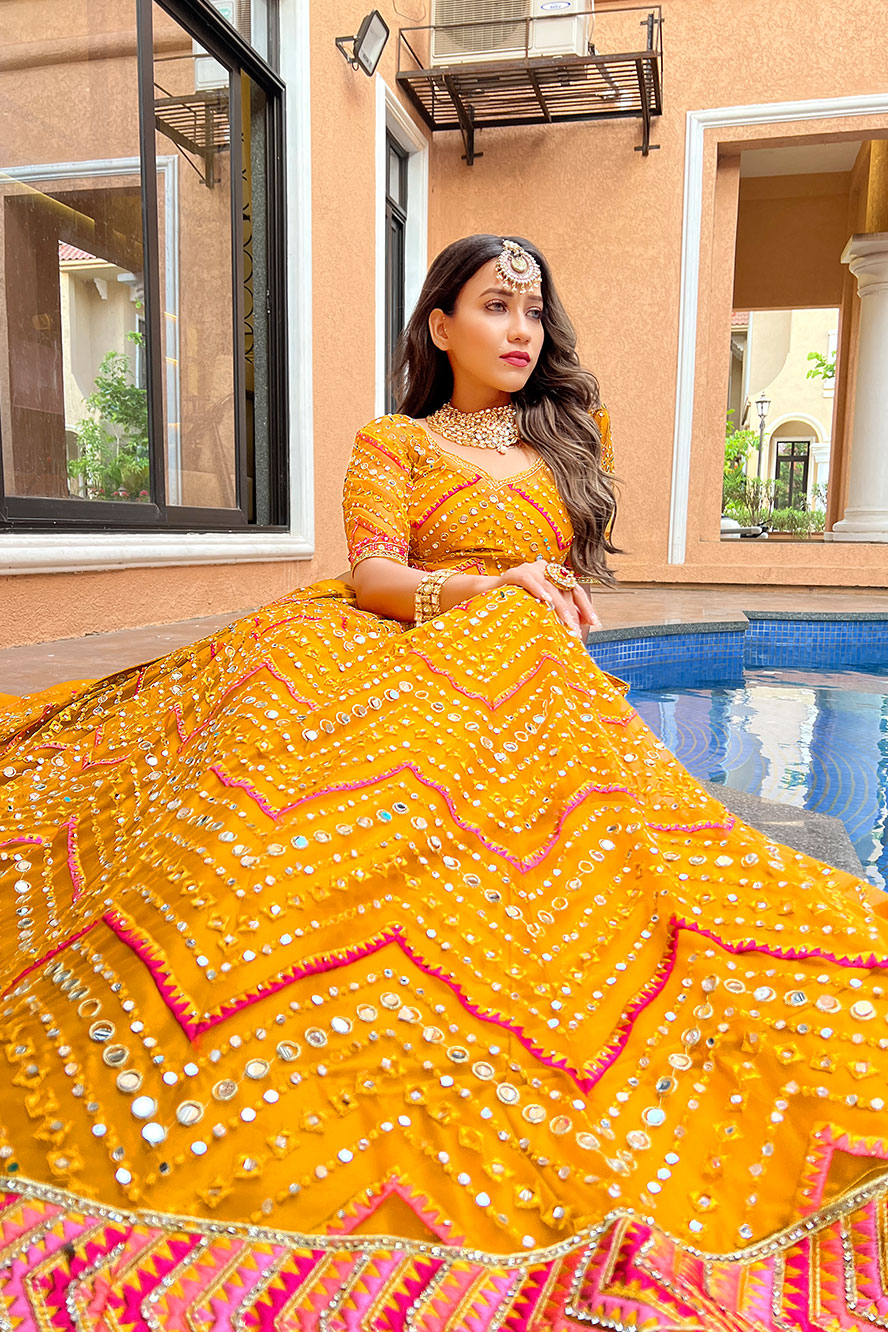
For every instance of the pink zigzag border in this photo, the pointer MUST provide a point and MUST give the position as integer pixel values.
(521, 865)
(242, 679)
(47, 957)
(183, 1010)
(510, 693)
(559, 535)
(466, 485)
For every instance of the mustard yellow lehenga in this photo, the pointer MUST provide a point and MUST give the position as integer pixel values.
(363, 976)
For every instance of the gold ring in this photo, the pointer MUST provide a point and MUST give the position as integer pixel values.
(559, 575)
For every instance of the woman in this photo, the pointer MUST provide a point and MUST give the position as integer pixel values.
(371, 965)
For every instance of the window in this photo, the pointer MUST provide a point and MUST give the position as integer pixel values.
(142, 359)
(793, 459)
(832, 351)
(395, 253)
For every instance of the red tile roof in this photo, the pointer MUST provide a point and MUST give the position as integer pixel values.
(67, 251)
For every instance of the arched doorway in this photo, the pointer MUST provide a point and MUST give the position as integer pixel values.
(798, 461)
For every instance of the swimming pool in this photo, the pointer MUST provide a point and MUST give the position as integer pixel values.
(816, 739)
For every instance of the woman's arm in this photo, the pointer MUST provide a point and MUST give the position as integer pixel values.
(387, 588)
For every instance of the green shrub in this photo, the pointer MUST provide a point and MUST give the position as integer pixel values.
(798, 522)
(112, 439)
(782, 520)
(734, 482)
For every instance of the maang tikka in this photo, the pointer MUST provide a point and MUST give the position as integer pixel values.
(516, 269)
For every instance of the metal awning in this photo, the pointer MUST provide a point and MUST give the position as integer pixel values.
(593, 81)
(198, 124)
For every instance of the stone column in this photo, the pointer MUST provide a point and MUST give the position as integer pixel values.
(866, 509)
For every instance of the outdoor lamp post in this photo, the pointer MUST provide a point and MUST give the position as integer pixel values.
(368, 45)
(763, 406)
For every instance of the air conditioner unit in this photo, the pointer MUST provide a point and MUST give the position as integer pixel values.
(208, 72)
(497, 29)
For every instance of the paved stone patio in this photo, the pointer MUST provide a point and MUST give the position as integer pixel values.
(25, 670)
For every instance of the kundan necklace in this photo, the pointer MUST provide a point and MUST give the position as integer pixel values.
(492, 428)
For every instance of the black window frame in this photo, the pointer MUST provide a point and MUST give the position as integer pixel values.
(203, 22)
(798, 459)
(395, 258)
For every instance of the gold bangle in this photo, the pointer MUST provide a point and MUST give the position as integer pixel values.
(427, 598)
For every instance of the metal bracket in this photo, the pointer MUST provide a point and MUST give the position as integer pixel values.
(349, 55)
(645, 77)
(466, 117)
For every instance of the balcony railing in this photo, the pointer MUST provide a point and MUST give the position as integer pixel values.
(604, 65)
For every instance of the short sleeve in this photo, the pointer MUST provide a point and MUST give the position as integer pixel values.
(603, 421)
(375, 493)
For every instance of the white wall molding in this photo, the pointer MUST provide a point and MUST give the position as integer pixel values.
(392, 117)
(73, 552)
(69, 552)
(698, 122)
(295, 45)
(818, 427)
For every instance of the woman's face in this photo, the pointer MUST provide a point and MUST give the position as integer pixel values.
(493, 338)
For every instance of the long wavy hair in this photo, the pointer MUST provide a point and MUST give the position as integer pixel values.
(553, 409)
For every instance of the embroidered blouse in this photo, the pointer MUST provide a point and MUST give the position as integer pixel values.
(407, 499)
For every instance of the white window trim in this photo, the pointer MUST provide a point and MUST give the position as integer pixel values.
(832, 349)
(75, 552)
(698, 122)
(392, 117)
(259, 27)
(820, 451)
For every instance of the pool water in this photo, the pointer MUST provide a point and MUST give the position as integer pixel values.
(814, 739)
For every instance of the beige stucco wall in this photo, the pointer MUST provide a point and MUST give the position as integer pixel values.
(790, 234)
(610, 222)
(792, 394)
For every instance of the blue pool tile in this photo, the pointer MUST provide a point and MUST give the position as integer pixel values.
(675, 659)
(655, 657)
(816, 642)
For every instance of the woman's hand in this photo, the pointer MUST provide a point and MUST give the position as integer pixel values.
(573, 607)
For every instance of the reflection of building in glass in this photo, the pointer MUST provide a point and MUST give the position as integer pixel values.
(99, 310)
(131, 350)
(68, 234)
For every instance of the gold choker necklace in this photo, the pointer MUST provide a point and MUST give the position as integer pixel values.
(492, 428)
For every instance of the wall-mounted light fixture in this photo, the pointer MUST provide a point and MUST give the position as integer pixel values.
(364, 50)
